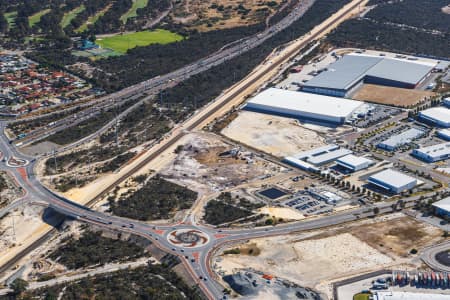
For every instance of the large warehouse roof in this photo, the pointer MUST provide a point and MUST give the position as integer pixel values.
(436, 114)
(392, 178)
(352, 68)
(443, 204)
(345, 72)
(304, 103)
(402, 138)
(400, 70)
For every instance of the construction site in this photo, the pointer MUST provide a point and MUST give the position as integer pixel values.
(324, 256)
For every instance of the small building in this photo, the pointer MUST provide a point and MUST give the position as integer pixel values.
(88, 45)
(406, 137)
(433, 153)
(439, 116)
(442, 207)
(444, 134)
(354, 163)
(442, 66)
(392, 181)
(446, 102)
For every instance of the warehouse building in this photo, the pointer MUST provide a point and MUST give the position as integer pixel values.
(396, 141)
(304, 106)
(309, 160)
(392, 181)
(433, 153)
(442, 207)
(439, 116)
(444, 134)
(354, 163)
(347, 74)
(446, 102)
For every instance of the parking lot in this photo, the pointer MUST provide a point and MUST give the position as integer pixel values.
(319, 200)
(376, 114)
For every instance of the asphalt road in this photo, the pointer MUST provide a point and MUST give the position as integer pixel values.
(196, 259)
(155, 85)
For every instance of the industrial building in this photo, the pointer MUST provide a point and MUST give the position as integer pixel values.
(354, 163)
(439, 116)
(347, 74)
(442, 207)
(309, 160)
(389, 295)
(446, 102)
(392, 181)
(406, 137)
(444, 134)
(433, 153)
(304, 106)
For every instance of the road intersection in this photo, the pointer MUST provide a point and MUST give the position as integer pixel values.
(192, 242)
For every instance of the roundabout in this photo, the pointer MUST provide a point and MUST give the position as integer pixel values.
(188, 238)
(14, 162)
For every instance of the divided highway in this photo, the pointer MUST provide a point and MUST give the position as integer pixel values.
(148, 89)
(196, 259)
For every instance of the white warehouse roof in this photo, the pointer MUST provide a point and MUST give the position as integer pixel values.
(353, 160)
(303, 104)
(439, 115)
(435, 151)
(393, 178)
(443, 204)
(444, 133)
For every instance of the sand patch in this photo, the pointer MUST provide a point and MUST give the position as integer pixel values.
(272, 134)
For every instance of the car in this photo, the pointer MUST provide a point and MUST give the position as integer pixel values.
(131, 225)
(123, 225)
(201, 277)
(192, 259)
(109, 222)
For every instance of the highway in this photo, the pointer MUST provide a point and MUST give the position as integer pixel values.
(196, 256)
(154, 85)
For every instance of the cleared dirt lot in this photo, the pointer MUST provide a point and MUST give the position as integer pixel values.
(398, 236)
(309, 261)
(275, 135)
(317, 258)
(205, 163)
(390, 95)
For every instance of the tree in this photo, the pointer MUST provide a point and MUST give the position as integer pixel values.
(19, 286)
(3, 23)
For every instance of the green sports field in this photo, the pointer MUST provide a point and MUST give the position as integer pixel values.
(121, 43)
(132, 12)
